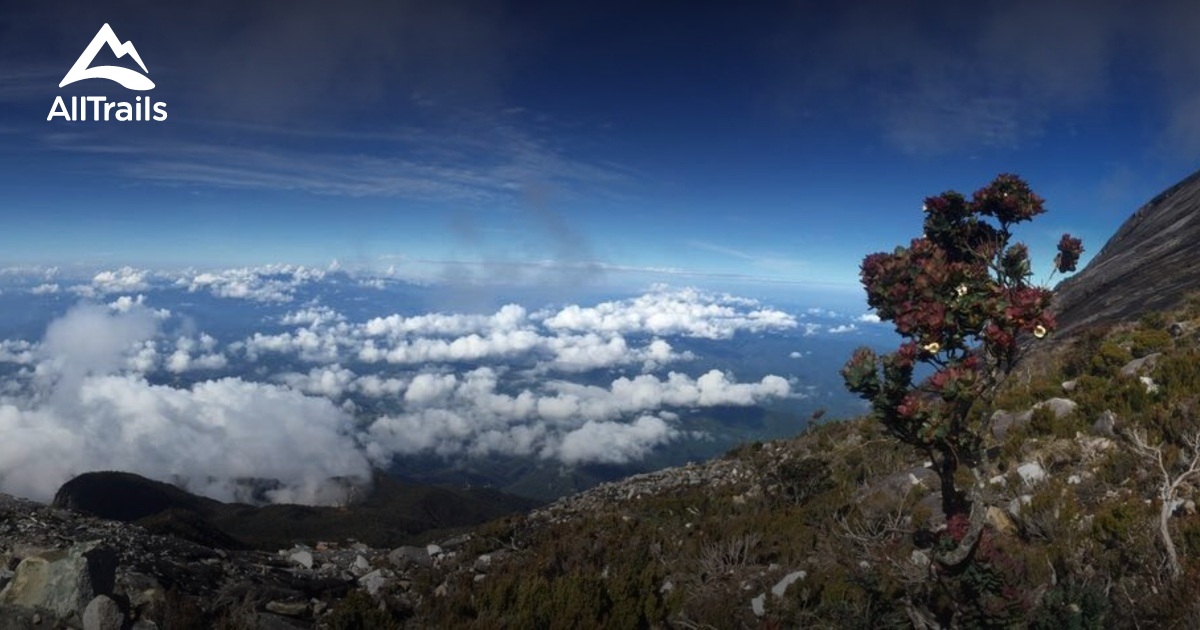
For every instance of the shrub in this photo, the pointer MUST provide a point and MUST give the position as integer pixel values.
(960, 296)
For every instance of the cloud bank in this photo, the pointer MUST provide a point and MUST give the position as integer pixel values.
(315, 401)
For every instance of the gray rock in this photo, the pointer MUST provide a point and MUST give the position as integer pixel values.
(1059, 406)
(62, 581)
(781, 586)
(433, 549)
(302, 557)
(361, 563)
(759, 605)
(1106, 424)
(404, 557)
(1176, 329)
(373, 581)
(102, 613)
(1069, 386)
(1137, 366)
(455, 542)
(1005, 421)
(1031, 472)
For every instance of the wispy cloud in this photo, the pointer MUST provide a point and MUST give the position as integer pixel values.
(763, 261)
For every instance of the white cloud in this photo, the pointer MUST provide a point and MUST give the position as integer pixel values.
(85, 412)
(665, 311)
(195, 354)
(869, 318)
(509, 318)
(270, 283)
(316, 315)
(16, 351)
(451, 414)
(615, 442)
(45, 289)
(123, 280)
(842, 328)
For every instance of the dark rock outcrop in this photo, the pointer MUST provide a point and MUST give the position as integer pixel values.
(1150, 264)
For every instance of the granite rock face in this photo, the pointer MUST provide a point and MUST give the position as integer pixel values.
(1150, 264)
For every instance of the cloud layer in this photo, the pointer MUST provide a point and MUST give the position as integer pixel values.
(317, 398)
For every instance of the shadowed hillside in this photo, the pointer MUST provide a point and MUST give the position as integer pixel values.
(393, 513)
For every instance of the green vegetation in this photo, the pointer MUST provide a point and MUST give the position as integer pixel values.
(1060, 518)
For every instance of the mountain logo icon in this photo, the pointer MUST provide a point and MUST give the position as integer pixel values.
(130, 79)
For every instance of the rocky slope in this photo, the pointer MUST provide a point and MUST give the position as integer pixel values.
(1150, 264)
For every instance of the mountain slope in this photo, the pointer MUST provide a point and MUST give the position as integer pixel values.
(1150, 264)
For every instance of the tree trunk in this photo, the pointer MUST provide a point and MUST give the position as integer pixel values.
(1164, 530)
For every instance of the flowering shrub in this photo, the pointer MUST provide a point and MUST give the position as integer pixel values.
(961, 297)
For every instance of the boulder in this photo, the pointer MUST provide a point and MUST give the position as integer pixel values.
(1059, 406)
(102, 613)
(1005, 421)
(1137, 366)
(1000, 521)
(63, 582)
(373, 581)
(1031, 472)
(1106, 424)
(404, 557)
(302, 557)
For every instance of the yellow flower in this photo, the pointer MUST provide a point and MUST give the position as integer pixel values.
(961, 290)
(1039, 331)
(932, 347)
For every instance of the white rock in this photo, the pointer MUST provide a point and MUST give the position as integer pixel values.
(433, 550)
(303, 558)
(759, 605)
(781, 586)
(373, 581)
(1031, 472)
(102, 613)
(361, 563)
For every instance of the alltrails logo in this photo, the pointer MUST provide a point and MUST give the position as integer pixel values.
(99, 107)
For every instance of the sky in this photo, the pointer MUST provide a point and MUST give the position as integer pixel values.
(765, 142)
(363, 234)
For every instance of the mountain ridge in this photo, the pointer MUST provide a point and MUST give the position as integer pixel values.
(1147, 265)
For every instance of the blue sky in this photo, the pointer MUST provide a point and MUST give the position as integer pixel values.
(775, 143)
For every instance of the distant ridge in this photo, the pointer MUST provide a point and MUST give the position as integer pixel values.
(1150, 264)
(394, 512)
